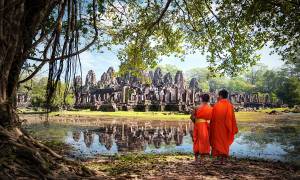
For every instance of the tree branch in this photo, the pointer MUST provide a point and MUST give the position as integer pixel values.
(79, 51)
(39, 67)
(161, 14)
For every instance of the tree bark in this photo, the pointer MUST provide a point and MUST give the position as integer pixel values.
(19, 23)
(23, 156)
(10, 48)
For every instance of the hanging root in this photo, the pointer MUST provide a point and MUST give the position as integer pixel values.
(23, 156)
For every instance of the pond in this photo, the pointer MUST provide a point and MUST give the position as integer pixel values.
(277, 139)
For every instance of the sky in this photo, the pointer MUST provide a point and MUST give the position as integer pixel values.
(100, 62)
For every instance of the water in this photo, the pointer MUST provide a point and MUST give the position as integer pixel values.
(275, 140)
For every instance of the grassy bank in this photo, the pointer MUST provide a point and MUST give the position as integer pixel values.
(166, 116)
(241, 116)
(268, 110)
(127, 114)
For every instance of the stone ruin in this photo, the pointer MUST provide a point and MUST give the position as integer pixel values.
(23, 99)
(163, 93)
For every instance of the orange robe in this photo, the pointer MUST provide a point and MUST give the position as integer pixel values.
(222, 128)
(201, 131)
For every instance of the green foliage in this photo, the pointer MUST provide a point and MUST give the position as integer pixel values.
(254, 74)
(238, 84)
(217, 83)
(38, 92)
(169, 68)
(289, 91)
(280, 21)
(201, 74)
(268, 81)
(37, 89)
(230, 31)
(204, 86)
(280, 84)
(208, 83)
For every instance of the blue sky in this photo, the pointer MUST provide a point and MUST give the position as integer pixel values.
(100, 62)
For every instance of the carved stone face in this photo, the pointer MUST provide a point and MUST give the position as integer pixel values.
(168, 79)
(158, 77)
(77, 81)
(194, 84)
(179, 81)
(110, 71)
(90, 78)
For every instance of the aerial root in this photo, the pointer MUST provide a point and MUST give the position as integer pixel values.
(23, 156)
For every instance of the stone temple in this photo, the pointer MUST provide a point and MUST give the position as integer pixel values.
(154, 91)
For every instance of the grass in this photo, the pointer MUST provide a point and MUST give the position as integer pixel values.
(127, 114)
(165, 116)
(171, 116)
(267, 110)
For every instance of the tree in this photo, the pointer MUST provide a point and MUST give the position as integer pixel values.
(50, 32)
(172, 69)
(255, 74)
(268, 82)
(231, 31)
(37, 93)
(49, 29)
(289, 91)
(238, 84)
(201, 74)
(217, 83)
(46, 31)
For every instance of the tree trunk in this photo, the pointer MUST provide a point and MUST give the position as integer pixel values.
(11, 47)
(19, 23)
(22, 156)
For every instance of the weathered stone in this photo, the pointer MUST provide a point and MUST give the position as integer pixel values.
(162, 93)
(158, 77)
(108, 107)
(151, 75)
(168, 81)
(296, 109)
(90, 79)
(194, 84)
(179, 80)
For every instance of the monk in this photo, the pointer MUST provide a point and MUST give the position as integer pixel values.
(201, 117)
(222, 127)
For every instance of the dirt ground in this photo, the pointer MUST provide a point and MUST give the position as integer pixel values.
(182, 167)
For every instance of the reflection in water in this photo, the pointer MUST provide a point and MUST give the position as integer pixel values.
(76, 136)
(270, 141)
(128, 138)
(279, 141)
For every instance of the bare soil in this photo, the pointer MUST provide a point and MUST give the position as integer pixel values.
(182, 167)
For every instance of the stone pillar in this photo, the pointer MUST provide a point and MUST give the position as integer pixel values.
(124, 94)
(193, 96)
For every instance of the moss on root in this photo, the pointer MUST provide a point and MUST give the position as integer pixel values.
(24, 157)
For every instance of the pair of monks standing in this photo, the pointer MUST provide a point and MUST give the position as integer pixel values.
(214, 127)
